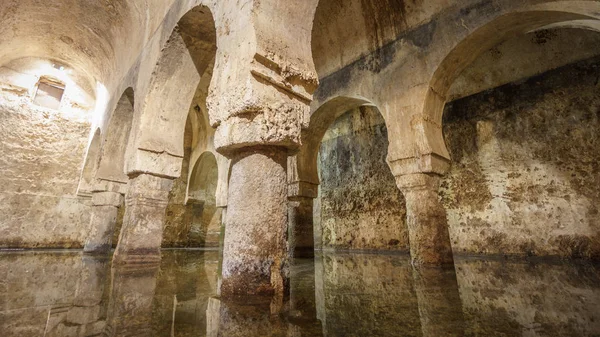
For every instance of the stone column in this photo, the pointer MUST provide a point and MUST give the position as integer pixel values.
(105, 206)
(426, 219)
(301, 226)
(142, 231)
(301, 195)
(255, 251)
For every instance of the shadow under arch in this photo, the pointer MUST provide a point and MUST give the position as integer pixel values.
(203, 180)
(304, 167)
(205, 227)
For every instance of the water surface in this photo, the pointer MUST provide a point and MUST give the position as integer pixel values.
(67, 293)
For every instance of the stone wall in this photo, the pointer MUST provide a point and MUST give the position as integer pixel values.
(525, 166)
(41, 154)
(361, 207)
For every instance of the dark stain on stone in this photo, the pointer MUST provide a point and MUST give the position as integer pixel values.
(554, 120)
(477, 8)
(543, 36)
(422, 35)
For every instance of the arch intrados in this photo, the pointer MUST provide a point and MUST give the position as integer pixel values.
(321, 119)
(184, 58)
(495, 32)
(482, 39)
(205, 168)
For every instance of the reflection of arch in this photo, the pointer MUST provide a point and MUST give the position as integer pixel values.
(112, 162)
(488, 35)
(91, 165)
(202, 186)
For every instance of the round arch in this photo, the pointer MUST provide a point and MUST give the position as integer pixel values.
(352, 185)
(486, 36)
(304, 166)
(204, 177)
(179, 85)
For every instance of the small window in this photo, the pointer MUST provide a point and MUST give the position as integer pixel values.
(49, 94)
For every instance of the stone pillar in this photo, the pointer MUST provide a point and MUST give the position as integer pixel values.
(255, 251)
(426, 219)
(302, 191)
(105, 206)
(301, 227)
(142, 231)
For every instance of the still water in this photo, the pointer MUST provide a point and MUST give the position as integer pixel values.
(60, 293)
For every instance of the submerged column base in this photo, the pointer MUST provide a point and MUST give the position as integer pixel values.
(142, 232)
(105, 206)
(426, 220)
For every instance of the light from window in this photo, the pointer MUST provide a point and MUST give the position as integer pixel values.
(49, 94)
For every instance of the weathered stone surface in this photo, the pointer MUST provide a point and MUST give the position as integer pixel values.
(107, 199)
(255, 249)
(39, 169)
(104, 219)
(426, 220)
(525, 167)
(361, 206)
(141, 234)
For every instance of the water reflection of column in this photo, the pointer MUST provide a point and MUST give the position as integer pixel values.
(221, 245)
(303, 311)
(131, 297)
(237, 319)
(88, 312)
(440, 306)
(320, 308)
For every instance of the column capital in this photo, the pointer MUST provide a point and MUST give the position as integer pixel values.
(418, 182)
(149, 189)
(106, 198)
(430, 164)
(302, 189)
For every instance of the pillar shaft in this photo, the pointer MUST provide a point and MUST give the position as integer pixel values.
(105, 206)
(426, 219)
(255, 251)
(301, 228)
(142, 231)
